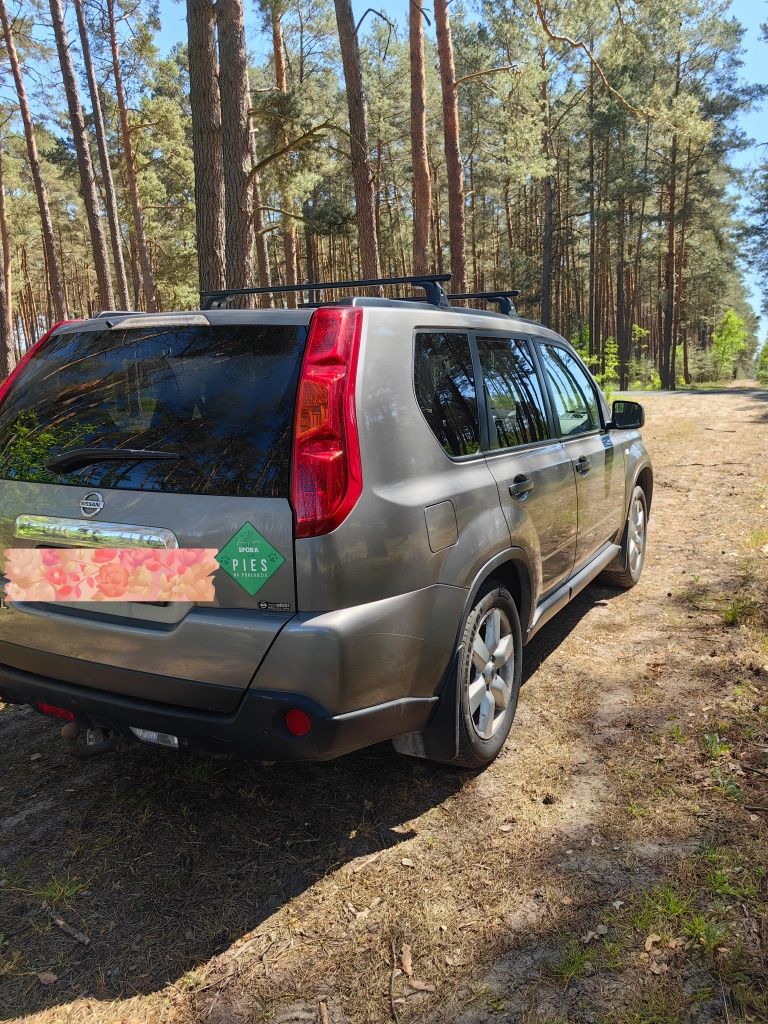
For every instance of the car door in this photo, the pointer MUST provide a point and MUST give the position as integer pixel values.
(598, 464)
(534, 474)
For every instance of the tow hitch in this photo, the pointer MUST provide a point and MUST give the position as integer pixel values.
(91, 742)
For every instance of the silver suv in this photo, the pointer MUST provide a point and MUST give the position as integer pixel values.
(401, 492)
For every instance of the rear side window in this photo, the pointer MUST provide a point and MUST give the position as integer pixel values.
(221, 398)
(513, 398)
(445, 390)
(573, 395)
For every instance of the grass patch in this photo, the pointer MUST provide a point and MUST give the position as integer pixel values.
(758, 538)
(705, 931)
(740, 611)
(573, 961)
(714, 746)
(662, 909)
(59, 891)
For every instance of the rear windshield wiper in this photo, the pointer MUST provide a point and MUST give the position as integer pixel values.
(77, 457)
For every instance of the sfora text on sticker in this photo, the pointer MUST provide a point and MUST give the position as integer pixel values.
(249, 559)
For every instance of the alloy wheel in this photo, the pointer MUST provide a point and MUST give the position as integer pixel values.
(491, 672)
(636, 536)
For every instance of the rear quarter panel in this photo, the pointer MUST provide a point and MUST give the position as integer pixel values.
(382, 549)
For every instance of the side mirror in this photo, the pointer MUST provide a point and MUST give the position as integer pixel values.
(627, 415)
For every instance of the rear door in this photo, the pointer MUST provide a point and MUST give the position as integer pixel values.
(534, 474)
(218, 399)
(598, 464)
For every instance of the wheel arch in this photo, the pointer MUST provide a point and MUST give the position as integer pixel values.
(644, 479)
(512, 571)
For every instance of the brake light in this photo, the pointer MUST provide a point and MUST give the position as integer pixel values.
(54, 711)
(297, 722)
(9, 381)
(327, 479)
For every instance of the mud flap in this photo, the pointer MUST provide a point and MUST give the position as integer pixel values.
(619, 563)
(439, 741)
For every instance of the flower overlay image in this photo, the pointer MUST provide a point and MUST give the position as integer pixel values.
(110, 574)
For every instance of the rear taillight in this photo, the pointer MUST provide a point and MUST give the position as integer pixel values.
(8, 383)
(327, 477)
(54, 711)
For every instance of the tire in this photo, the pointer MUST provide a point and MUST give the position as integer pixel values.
(631, 558)
(487, 696)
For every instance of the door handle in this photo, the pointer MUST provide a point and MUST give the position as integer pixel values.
(520, 487)
(583, 465)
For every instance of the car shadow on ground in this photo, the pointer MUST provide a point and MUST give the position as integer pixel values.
(163, 862)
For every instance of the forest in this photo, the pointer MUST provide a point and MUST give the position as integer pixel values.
(582, 153)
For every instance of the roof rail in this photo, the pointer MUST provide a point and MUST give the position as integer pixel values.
(431, 283)
(502, 299)
(112, 312)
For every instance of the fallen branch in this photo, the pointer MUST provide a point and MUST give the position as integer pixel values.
(757, 771)
(392, 1006)
(61, 923)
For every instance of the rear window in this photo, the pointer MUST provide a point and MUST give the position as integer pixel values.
(221, 398)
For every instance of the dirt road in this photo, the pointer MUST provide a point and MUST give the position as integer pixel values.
(610, 866)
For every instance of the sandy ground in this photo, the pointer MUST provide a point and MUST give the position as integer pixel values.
(610, 866)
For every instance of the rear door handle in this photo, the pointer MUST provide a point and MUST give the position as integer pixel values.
(520, 487)
(583, 465)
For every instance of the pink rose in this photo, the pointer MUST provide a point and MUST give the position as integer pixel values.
(112, 580)
(104, 555)
(56, 576)
(134, 557)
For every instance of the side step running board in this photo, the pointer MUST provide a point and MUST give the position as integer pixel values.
(552, 605)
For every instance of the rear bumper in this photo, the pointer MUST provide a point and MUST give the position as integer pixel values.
(256, 730)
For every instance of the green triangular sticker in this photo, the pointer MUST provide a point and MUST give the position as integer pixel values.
(249, 559)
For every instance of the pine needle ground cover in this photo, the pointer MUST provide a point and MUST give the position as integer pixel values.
(610, 866)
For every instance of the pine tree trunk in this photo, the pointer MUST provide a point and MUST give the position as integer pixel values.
(621, 298)
(453, 165)
(670, 277)
(110, 199)
(85, 166)
(548, 202)
(359, 142)
(289, 228)
(7, 348)
(681, 260)
(58, 297)
(147, 278)
(422, 185)
(207, 147)
(592, 222)
(262, 248)
(236, 135)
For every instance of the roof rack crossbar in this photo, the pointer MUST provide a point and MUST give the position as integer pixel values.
(431, 283)
(503, 299)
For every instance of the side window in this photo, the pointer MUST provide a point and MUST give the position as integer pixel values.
(516, 410)
(445, 390)
(574, 396)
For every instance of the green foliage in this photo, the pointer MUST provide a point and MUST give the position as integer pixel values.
(761, 371)
(729, 340)
(573, 961)
(30, 448)
(643, 375)
(704, 931)
(539, 87)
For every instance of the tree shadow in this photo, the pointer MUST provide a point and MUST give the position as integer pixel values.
(163, 862)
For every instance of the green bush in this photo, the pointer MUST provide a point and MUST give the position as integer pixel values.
(762, 365)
